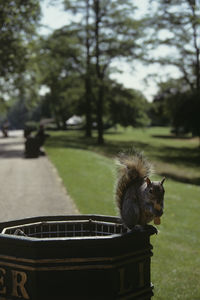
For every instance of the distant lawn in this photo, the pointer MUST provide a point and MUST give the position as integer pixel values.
(177, 158)
(88, 172)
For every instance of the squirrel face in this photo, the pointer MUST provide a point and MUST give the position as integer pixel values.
(156, 192)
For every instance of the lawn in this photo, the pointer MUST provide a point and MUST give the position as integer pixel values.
(88, 172)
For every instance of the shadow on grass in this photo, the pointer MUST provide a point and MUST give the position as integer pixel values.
(71, 141)
(194, 181)
(178, 156)
(172, 137)
(110, 148)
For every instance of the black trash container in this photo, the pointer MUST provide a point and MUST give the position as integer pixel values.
(74, 257)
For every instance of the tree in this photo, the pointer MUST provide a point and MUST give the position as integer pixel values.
(88, 86)
(177, 24)
(159, 112)
(178, 107)
(18, 20)
(60, 66)
(18, 23)
(127, 107)
(113, 34)
(83, 27)
(183, 111)
(116, 35)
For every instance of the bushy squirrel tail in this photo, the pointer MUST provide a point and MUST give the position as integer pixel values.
(131, 168)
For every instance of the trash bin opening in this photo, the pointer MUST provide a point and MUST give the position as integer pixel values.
(78, 228)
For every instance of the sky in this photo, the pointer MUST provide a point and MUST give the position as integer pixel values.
(54, 17)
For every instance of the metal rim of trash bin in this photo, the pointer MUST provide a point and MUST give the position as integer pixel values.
(56, 229)
(68, 227)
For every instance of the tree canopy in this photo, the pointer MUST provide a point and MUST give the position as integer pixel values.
(177, 24)
(110, 32)
(61, 71)
(17, 22)
(74, 63)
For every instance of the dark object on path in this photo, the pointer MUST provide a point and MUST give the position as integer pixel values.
(41, 136)
(27, 132)
(33, 144)
(74, 257)
(32, 147)
(4, 129)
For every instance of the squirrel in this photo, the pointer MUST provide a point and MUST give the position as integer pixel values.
(139, 199)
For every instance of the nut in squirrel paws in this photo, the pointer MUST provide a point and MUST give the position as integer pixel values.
(157, 221)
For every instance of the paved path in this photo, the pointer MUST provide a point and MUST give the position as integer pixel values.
(29, 187)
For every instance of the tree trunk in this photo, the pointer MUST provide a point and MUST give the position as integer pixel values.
(100, 94)
(64, 125)
(57, 123)
(195, 42)
(88, 109)
(100, 115)
(87, 77)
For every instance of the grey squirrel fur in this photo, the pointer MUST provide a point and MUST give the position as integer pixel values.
(137, 197)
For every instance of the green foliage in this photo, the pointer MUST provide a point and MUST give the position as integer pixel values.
(127, 106)
(18, 114)
(18, 22)
(183, 108)
(177, 106)
(159, 110)
(18, 19)
(3, 107)
(110, 32)
(60, 66)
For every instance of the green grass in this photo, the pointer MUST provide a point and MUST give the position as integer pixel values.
(88, 172)
(88, 177)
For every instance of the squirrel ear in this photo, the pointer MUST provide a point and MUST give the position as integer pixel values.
(162, 181)
(148, 181)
